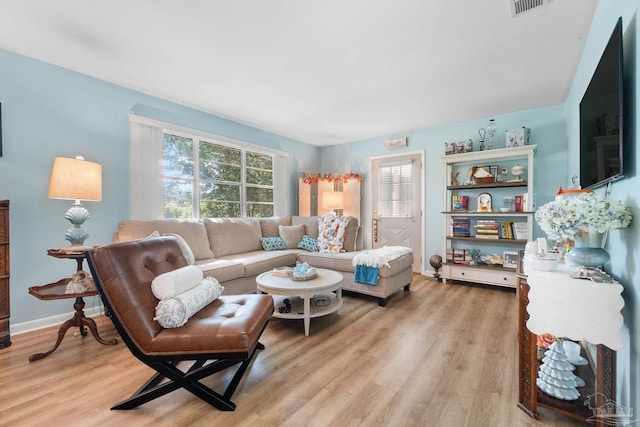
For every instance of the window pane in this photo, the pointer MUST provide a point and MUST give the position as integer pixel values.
(178, 209)
(177, 158)
(260, 161)
(220, 163)
(255, 194)
(219, 210)
(255, 210)
(220, 153)
(178, 198)
(260, 177)
(219, 192)
(396, 190)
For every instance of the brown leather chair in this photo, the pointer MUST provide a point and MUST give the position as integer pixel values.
(223, 334)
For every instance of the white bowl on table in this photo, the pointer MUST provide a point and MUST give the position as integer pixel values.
(547, 263)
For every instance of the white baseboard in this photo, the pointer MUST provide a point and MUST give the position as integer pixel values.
(45, 322)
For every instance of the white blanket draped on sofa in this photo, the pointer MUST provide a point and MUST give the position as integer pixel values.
(368, 263)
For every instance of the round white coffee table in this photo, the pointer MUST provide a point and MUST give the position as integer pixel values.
(327, 284)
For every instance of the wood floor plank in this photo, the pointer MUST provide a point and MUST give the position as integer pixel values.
(440, 355)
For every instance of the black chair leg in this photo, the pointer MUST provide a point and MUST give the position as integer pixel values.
(189, 380)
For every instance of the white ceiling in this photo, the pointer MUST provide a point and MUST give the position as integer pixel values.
(323, 71)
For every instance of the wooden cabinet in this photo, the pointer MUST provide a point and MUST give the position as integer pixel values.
(5, 337)
(478, 205)
(599, 379)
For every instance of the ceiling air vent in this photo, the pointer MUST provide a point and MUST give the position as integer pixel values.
(521, 6)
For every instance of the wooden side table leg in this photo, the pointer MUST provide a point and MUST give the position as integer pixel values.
(91, 324)
(61, 332)
(79, 320)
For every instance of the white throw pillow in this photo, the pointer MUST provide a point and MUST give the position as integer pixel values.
(186, 250)
(176, 311)
(174, 282)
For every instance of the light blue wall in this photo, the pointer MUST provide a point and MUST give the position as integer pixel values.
(623, 245)
(48, 111)
(548, 131)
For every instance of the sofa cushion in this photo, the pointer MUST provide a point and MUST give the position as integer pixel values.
(344, 262)
(292, 234)
(228, 236)
(273, 243)
(223, 270)
(184, 246)
(191, 230)
(310, 224)
(270, 225)
(257, 262)
(349, 243)
(332, 261)
(308, 244)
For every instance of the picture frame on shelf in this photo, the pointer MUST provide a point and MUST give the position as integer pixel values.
(517, 137)
(493, 170)
(510, 259)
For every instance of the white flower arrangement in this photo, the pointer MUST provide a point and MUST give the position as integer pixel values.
(564, 217)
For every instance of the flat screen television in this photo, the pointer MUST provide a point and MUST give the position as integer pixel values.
(601, 118)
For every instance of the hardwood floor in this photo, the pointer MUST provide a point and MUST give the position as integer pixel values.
(440, 355)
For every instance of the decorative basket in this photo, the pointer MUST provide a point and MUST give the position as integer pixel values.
(303, 278)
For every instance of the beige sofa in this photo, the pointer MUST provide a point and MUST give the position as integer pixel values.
(230, 250)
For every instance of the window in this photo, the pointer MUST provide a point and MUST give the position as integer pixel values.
(396, 189)
(220, 180)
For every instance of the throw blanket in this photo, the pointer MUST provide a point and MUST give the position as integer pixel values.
(331, 230)
(367, 264)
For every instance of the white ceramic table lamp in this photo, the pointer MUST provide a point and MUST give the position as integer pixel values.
(76, 179)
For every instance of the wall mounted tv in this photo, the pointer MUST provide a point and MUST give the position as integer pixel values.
(601, 136)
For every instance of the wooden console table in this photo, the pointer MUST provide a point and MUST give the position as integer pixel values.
(600, 386)
(58, 290)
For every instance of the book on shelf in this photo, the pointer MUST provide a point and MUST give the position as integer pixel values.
(458, 256)
(487, 236)
(459, 203)
(520, 230)
(518, 203)
(487, 228)
(460, 227)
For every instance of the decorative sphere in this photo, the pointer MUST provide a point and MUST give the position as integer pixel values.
(436, 261)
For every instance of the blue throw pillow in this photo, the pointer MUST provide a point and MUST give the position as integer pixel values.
(308, 244)
(273, 243)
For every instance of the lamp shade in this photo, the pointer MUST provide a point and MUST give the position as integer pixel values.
(332, 200)
(75, 179)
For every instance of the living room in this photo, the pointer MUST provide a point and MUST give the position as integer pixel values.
(49, 111)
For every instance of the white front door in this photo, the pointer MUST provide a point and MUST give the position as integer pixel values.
(396, 204)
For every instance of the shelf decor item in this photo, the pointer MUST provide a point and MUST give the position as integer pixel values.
(491, 131)
(484, 202)
(517, 137)
(556, 377)
(436, 263)
(584, 218)
(517, 171)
